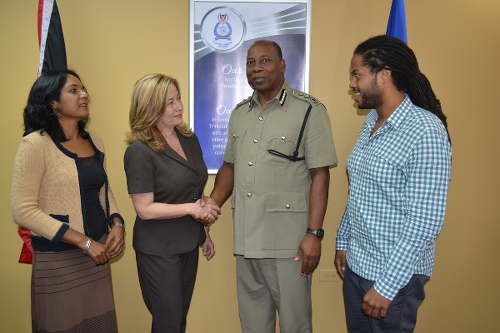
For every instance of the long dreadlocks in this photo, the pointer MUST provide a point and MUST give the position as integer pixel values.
(386, 52)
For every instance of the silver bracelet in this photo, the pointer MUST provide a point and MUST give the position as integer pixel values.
(118, 225)
(87, 244)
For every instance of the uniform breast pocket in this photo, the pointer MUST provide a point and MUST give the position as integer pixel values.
(237, 139)
(280, 146)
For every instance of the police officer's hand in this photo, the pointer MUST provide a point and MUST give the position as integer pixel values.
(309, 252)
(205, 212)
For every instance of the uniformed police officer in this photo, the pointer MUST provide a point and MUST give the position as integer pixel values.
(276, 165)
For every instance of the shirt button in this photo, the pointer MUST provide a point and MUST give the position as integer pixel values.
(287, 206)
(261, 118)
(283, 138)
(249, 194)
(251, 163)
(255, 140)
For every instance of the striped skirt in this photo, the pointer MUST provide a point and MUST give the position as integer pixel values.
(70, 294)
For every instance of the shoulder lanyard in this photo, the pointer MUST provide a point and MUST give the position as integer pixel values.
(295, 155)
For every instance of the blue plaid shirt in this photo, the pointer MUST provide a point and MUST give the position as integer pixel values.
(398, 184)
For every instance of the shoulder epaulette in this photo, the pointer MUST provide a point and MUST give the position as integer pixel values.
(247, 101)
(305, 97)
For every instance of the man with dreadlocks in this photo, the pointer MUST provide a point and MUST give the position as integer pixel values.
(399, 171)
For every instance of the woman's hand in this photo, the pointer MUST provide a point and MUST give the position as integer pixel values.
(98, 252)
(208, 247)
(205, 212)
(115, 241)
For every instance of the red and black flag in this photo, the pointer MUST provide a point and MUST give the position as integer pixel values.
(52, 56)
(50, 37)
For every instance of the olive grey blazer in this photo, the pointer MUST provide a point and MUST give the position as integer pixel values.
(173, 180)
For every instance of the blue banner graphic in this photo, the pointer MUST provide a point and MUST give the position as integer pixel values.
(221, 33)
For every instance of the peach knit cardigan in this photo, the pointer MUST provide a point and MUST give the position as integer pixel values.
(45, 182)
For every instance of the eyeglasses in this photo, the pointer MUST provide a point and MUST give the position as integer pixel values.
(79, 91)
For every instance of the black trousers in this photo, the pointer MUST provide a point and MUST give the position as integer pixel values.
(167, 283)
(402, 314)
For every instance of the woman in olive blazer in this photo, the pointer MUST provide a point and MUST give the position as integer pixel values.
(166, 175)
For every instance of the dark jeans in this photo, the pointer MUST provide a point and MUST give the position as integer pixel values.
(402, 314)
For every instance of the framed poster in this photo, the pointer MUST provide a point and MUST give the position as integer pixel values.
(220, 34)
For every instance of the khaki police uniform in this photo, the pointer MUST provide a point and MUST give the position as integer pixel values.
(271, 201)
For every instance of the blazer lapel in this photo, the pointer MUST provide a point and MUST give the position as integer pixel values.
(186, 146)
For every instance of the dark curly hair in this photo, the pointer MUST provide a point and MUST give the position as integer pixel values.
(39, 114)
(386, 52)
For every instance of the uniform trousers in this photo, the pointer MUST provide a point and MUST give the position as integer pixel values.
(270, 286)
(167, 283)
(402, 314)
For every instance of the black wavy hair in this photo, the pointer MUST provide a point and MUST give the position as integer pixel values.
(386, 52)
(39, 114)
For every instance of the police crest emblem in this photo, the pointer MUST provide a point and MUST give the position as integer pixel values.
(223, 29)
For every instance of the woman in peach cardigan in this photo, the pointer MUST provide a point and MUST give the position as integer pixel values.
(60, 192)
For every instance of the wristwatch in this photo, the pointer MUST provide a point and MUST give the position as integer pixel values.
(316, 232)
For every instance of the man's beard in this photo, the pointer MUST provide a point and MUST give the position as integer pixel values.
(371, 99)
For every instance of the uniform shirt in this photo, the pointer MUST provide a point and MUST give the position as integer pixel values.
(271, 194)
(398, 184)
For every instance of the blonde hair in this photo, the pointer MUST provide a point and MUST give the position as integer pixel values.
(148, 104)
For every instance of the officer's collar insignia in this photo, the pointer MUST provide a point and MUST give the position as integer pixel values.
(251, 103)
(282, 97)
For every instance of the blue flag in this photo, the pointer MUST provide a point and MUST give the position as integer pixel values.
(396, 27)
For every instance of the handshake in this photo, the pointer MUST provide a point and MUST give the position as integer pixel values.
(206, 211)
